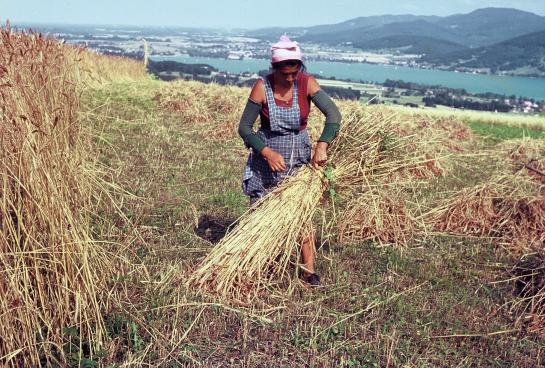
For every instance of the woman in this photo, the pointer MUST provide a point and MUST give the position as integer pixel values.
(282, 144)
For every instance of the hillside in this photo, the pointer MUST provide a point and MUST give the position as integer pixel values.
(411, 45)
(381, 302)
(488, 26)
(419, 28)
(346, 26)
(526, 51)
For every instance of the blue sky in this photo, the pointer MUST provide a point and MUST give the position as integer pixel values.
(235, 13)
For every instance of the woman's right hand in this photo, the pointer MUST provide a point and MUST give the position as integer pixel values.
(274, 159)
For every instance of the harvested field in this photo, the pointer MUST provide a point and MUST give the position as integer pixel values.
(397, 291)
(401, 279)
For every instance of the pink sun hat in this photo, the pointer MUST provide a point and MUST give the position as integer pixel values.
(285, 49)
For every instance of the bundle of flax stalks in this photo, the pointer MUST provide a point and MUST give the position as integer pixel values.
(258, 250)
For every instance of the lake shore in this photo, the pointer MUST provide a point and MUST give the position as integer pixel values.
(474, 83)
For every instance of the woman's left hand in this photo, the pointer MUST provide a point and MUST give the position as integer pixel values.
(320, 155)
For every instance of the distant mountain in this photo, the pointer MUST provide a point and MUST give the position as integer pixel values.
(526, 52)
(481, 27)
(367, 22)
(412, 45)
(420, 28)
(274, 33)
(492, 25)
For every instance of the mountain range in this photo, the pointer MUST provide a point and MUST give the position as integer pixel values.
(520, 55)
(473, 40)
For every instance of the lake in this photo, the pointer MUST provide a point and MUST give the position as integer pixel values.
(474, 83)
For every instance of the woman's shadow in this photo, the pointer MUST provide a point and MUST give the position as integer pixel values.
(213, 228)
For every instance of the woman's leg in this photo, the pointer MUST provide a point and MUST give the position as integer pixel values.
(308, 251)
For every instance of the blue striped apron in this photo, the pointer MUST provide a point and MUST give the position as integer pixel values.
(286, 138)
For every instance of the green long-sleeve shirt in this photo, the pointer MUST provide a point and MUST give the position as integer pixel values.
(322, 101)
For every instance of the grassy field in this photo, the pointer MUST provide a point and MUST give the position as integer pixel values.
(417, 100)
(440, 302)
(504, 119)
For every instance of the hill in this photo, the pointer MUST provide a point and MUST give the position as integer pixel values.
(526, 51)
(482, 27)
(419, 28)
(346, 26)
(138, 178)
(116, 185)
(369, 296)
(411, 44)
(492, 25)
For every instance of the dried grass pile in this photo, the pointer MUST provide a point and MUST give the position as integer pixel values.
(509, 206)
(433, 138)
(215, 109)
(378, 214)
(526, 155)
(450, 134)
(362, 160)
(387, 208)
(52, 272)
(472, 212)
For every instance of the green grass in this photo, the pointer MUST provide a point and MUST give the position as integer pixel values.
(503, 132)
(402, 100)
(533, 122)
(430, 305)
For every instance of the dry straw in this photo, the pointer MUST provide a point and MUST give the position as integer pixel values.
(378, 214)
(215, 109)
(52, 272)
(508, 206)
(259, 248)
(364, 159)
(529, 276)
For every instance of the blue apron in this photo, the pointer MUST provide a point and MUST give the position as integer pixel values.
(286, 138)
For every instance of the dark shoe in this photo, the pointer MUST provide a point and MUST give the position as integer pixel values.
(313, 280)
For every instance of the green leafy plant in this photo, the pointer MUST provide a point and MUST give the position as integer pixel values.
(328, 173)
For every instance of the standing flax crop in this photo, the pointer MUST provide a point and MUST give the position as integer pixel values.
(52, 273)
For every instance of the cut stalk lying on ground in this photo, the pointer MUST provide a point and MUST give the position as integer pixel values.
(509, 206)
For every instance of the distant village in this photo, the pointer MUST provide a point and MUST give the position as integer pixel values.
(221, 46)
(211, 44)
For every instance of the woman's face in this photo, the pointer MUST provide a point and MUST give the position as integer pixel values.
(286, 75)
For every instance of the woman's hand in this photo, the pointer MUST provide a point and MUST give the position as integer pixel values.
(320, 155)
(274, 159)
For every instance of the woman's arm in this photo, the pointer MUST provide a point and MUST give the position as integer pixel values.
(245, 128)
(249, 115)
(332, 120)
